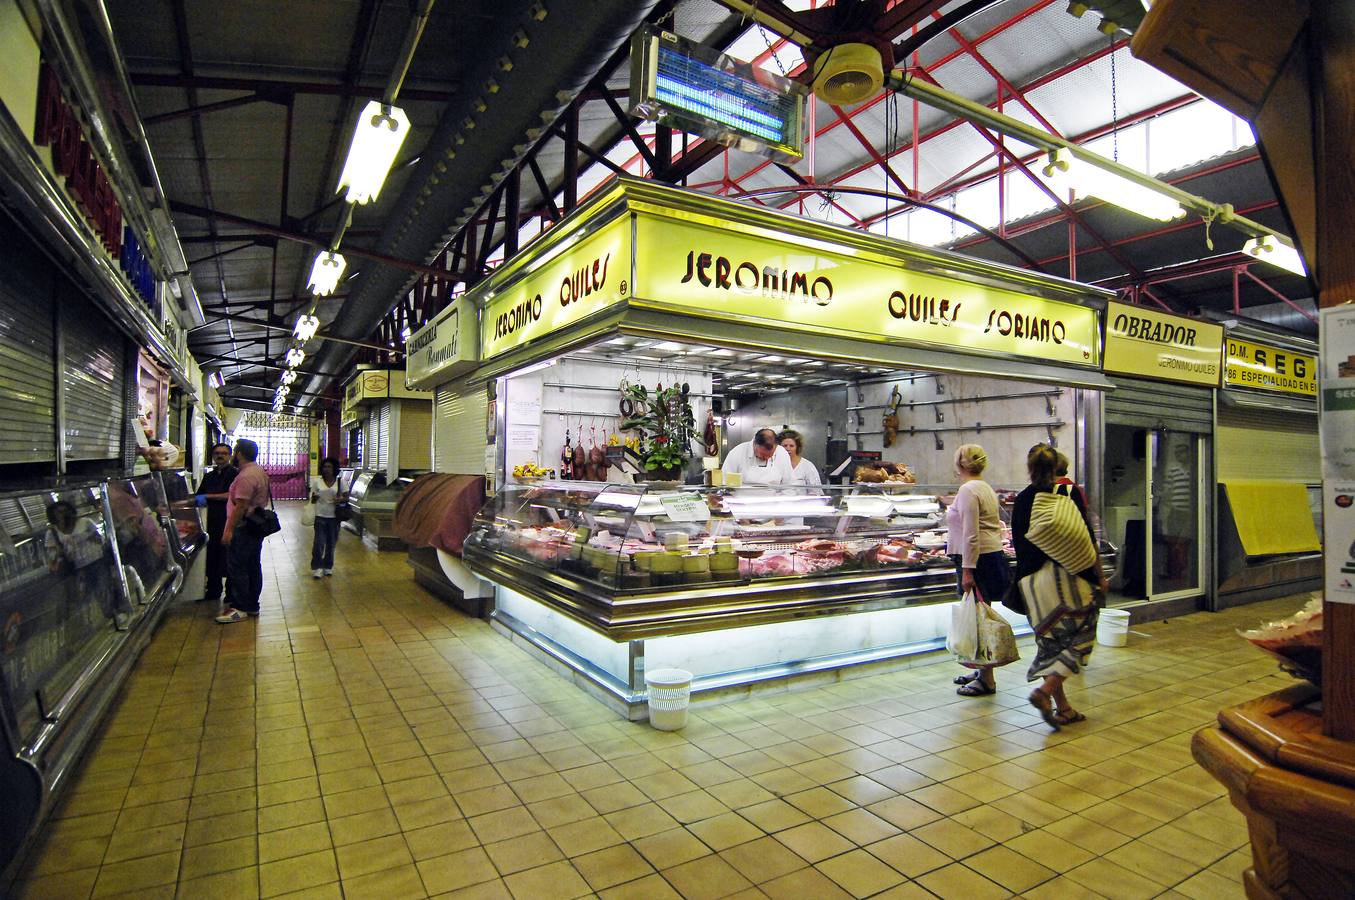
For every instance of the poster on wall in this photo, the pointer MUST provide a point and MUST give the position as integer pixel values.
(1337, 429)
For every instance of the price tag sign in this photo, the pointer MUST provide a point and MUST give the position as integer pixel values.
(686, 508)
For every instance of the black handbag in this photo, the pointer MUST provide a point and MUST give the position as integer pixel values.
(342, 511)
(262, 522)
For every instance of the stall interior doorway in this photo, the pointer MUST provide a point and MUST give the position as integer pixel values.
(1154, 512)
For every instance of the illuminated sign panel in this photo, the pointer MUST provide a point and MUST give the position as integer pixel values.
(676, 82)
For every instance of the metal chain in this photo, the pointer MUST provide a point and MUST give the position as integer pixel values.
(1114, 107)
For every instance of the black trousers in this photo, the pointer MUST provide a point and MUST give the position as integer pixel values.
(218, 559)
(246, 571)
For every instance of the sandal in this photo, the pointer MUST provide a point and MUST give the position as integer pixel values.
(1069, 717)
(976, 688)
(967, 679)
(1045, 705)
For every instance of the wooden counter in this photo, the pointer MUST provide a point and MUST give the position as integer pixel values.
(1296, 788)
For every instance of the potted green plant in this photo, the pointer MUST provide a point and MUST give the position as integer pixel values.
(665, 422)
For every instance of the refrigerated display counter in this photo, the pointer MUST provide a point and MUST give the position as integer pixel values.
(373, 502)
(190, 537)
(85, 573)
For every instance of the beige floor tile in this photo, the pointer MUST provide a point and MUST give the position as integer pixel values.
(904, 813)
(441, 839)
(958, 882)
(1013, 871)
(803, 884)
(401, 881)
(1049, 850)
(366, 857)
(297, 872)
(456, 870)
(740, 793)
(1114, 881)
(585, 836)
(762, 860)
(612, 866)
(670, 848)
(351, 803)
(289, 815)
(859, 873)
(706, 878)
(725, 830)
(503, 824)
(211, 859)
(650, 887)
(73, 883)
(861, 826)
(523, 852)
(641, 821)
(228, 885)
(558, 879)
(909, 855)
(773, 815)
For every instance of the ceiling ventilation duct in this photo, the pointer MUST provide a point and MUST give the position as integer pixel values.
(545, 53)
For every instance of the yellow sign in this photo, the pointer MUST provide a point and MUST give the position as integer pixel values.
(799, 286)
(588, 276)
(1267, 368)
(1143, 342)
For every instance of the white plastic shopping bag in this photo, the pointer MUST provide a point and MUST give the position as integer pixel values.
(308, 515)
(963, 639)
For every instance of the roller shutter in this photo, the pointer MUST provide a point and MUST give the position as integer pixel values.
(379, 439)
(1268, 445)
(27, 366)
(416, 434)
(459, 428)
(1159, 404)
(93, 374)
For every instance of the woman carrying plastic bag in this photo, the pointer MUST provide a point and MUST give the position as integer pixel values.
(974, 542)
(979, 637)
(1059, 579)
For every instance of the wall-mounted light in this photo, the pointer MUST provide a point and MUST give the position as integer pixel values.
(1268, 249)
(1069, 173)
(295, 357)
(306, 326)
(380, 132)
(326, 272)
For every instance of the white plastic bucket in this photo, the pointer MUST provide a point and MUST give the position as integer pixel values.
(1112, 628)
(670, 693)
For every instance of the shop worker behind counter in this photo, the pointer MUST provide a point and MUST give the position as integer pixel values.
(761, 460)
(248, 492)
(212, 493)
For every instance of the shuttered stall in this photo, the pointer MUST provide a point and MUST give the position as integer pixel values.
(1159, 404)
(459, 428)
(416, 435)
(93, 373)
(27, 368)
(378, 438)
(1267, 444)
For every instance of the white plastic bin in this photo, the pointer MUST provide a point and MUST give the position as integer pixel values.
(670, 693)
(1112, 628)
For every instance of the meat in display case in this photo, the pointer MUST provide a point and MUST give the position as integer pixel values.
(634, 561)
(183, 510)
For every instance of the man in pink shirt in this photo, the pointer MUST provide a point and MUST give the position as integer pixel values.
(249, 491)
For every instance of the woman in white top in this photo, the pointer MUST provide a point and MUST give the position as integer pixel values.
(974, 542)
(326, 493)
(805, 472)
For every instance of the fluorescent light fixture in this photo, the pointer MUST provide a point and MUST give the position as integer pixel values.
(306, 326)
(405, 334)
(289, 376)
(1268, 249)
(376, 141)
(216, 379)
(1069, 173)
(326, 272)
(295, 357)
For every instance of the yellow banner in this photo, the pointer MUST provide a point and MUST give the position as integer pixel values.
(1267, 368)
(1156, 345)
(589, 276)
(799, 286)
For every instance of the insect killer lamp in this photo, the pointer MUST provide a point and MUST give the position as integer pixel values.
(1069, 173)
(325, 273)
(380, 132)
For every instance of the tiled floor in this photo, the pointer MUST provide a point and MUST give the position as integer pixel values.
(364, 740)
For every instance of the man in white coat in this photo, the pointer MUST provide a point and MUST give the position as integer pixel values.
(761, 460)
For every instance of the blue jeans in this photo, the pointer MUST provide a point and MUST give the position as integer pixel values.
(326, 539)
(246, 571)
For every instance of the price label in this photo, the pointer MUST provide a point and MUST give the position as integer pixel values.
(686, 508)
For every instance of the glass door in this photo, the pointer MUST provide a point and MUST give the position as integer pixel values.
(1175, 553)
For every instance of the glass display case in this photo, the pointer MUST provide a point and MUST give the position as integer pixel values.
(183, 512)
(642, 560)
(137, 505)
(62, 599)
